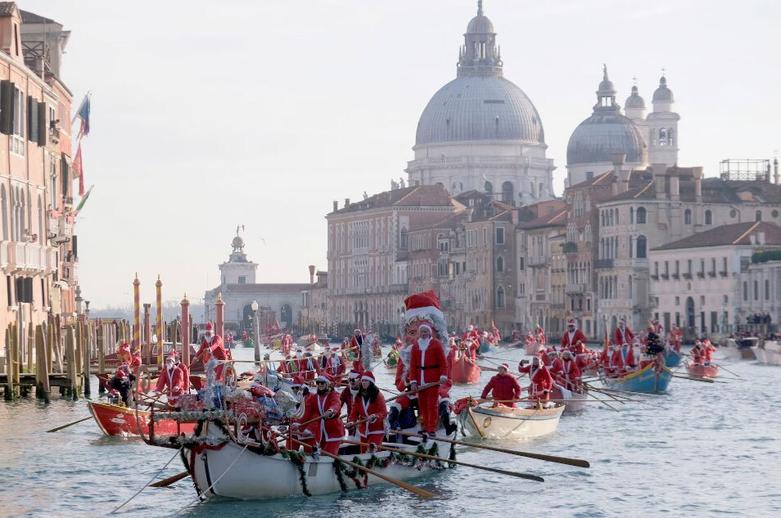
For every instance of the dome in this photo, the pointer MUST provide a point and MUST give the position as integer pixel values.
(237, 243)
(480, 24)
(602, 135)
(663, 94)
(634, 101)
(479, 108)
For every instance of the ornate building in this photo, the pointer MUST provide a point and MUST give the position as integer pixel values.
(480, 131)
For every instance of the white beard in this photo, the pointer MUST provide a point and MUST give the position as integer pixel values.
(423, 342)
(209, 339)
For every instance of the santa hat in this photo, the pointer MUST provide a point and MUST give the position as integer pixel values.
(506, 366)
(209, 326)
(322, 379)
(571, 322)
(124, 346)
(426, 306)
(171, 355)
(298, 381)
(354, 374)
(368, 376)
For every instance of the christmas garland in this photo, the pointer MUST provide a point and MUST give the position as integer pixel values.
(298, 461)
(338, 467)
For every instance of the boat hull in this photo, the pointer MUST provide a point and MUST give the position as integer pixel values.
(120, 421)
(517, 424)
(702, 371)
(768, 353)
(573, 401)
(672, 359)
(465, 372)
(646, 380)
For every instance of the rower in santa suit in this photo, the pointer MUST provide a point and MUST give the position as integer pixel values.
(428, 363)
(503, 387)
(572, 335)
(171, 381)
(707, 351)
(539, 335)
(370, 408)
(622, 334)
(566, 372)
(307, 366)
(698, 353)
(212, 347)
(356, 348)
(541, 379)
(326, 432)
(583, 358)
(676, 338)
(350, 392)
(334, 365)
(623, 358)
(402, 410)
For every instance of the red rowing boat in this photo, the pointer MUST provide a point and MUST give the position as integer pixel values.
(702, 371)
(115, 420)
(465, 371)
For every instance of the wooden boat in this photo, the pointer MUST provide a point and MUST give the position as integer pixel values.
(465, 371)
(768, 352)
(227, 468)
(517, 424)
(116, 420)
(702, 371)
(573, 401)
(672, 358)
(741, 349)
(646, 380)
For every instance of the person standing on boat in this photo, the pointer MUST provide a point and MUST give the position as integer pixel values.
(121, 382)
(676, 338)
(171, 381)
(707, 351)
(622, 334)
(307, 366)
(539, 335)
(350, 392)
(504, 388)
(541, 379)
(333, 365)
(698, 353)
(356, 349)
(368, 413)
(212, 347)
(572, 335)
(326, 432)
(624, 358)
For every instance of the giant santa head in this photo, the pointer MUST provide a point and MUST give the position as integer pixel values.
(423, 308)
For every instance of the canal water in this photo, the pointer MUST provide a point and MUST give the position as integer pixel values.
(701, 450)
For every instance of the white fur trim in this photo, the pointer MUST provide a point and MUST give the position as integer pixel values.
(424, 311)
(367, 378)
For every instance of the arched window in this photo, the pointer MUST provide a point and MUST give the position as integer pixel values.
(641, 247)
(500, 297)
(641, 215)
(758, 215)
(489, 188)
(507, 192)
(687, 217)
(500, 264)
(4, 204)
(708, 217)
(403, 239)
(617, 222)
(662, 137)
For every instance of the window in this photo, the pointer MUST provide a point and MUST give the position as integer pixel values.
(677, 300)
(767, 289)
(745, 290)
(687, 217)
(489, 188)
(641, 247)
(20, 115)
(756, 290)
(631, 215)
(499, 235)
(708, 217)
(403, 239)
(500, 264)
(724, 265)
(500, 297)
(520, 263)
(641, 215)
(656, 268)
(758, 215)
(507, 192)
(689, 267)
(713, 267)
(242, 279)
(4, 208)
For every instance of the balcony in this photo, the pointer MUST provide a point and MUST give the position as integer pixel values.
(575, 288)
(687, 275)
(4, 259)
(602, 264)
(676, 276)
(723, 274)
(536, 260)
(701, 275)
(655, 277)
(712, 275)
(664, 276)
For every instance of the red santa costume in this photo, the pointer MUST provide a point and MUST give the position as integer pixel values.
(572, 335)
(698, 353)
(350, 392)
(356, 346)
(541, 380)
(676, 338)
(212, 347)
(328, 431)
(566, 372)
(369, 408)
(623, 358)
(307, 367)
(707, 351)
(539, 333)
(504, 388)
(171, 380)
(623, 335)
(428, 359)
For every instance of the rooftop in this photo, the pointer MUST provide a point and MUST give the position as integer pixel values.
(415, 196)
(739, 234)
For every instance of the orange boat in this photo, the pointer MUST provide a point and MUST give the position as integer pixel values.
(702, 371)
(464, 371)
(116, 420)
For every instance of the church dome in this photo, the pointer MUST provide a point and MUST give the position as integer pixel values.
(634, 101)
(479, 108)
(663, 94)
(480, 24)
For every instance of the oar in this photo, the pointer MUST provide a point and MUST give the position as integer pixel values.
(539, 456)
(409, 487)
(457, 462)
(389, 391)
(69, 424)
(720, 366)
(409, 392)
(704, 380)
(621, 399)
(170, 480)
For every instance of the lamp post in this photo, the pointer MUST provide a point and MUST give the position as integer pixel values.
(254, 307)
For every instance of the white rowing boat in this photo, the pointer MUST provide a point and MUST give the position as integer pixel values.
(768, 352)
(510, 423)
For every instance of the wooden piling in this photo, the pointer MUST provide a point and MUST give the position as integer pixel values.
(42, 387)
(86, 345)
(10, 390)
(185, 330)
(100, 338)
(72, 372)
(30, 348)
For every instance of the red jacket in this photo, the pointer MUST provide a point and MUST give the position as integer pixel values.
(172, 379)
(363, 408)
(570, 339)
(334, 367)
(625, 337)
(541, 379)
(324, 429)
(623, 358)
(505, 388)
(429, 365)
(346, 397)
(216, 350)
(308, 368)
(566, 371)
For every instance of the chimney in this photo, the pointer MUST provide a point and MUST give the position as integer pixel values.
(346, 202)
(336, 205)
(660, 171)
(697, 173)
(311, 274)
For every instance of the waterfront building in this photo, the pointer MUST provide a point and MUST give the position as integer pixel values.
(314, 311)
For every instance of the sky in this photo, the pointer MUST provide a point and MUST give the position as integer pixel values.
(207, 115)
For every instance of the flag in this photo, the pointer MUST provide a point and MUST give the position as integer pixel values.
(78, 169)
(84, 199)
(83, 114)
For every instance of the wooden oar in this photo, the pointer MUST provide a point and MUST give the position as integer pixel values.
(409, 392)
(720, 366)
(705, 380)
(539, 456)
(69, 424)
(170, 480)
(457, 462)
(404, 485)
